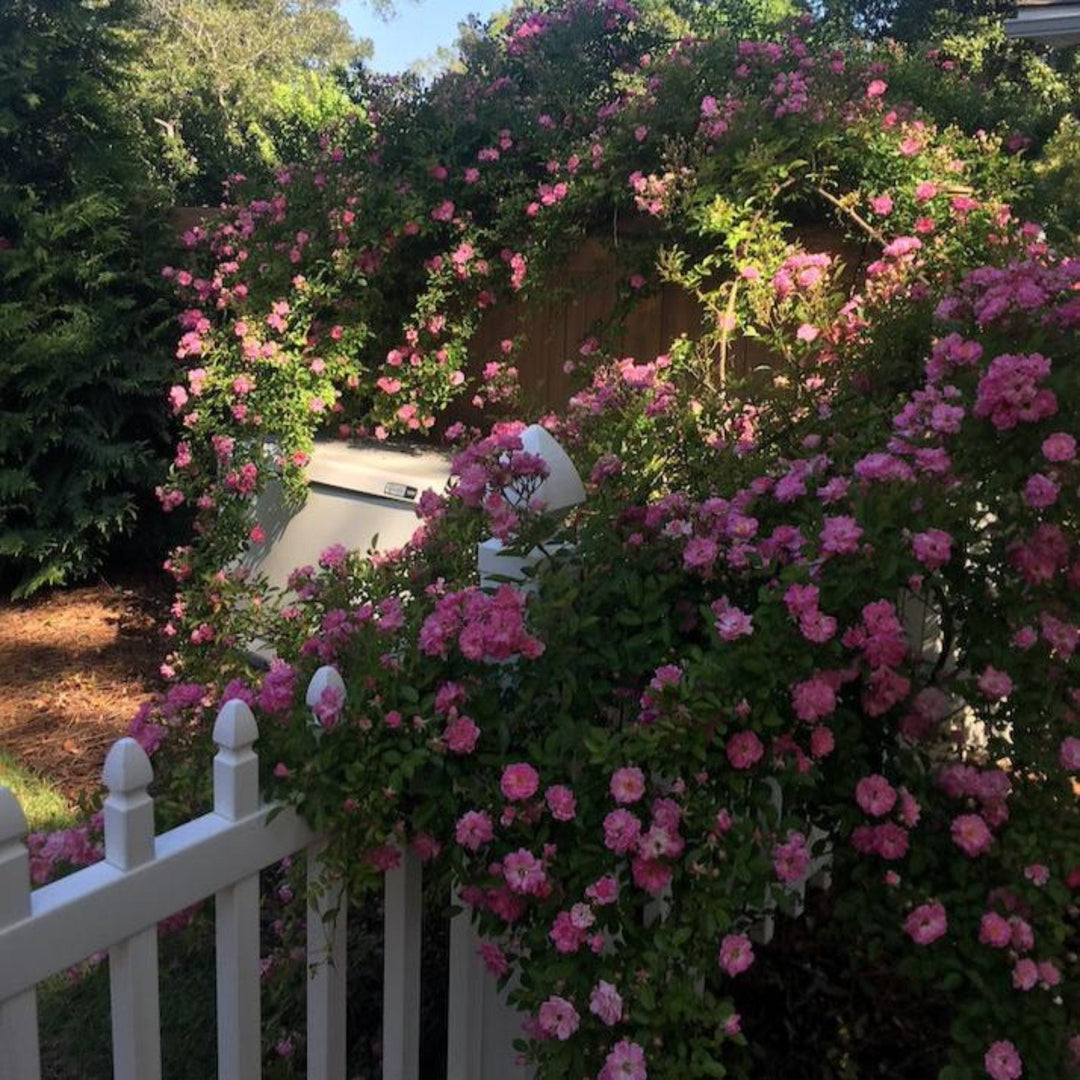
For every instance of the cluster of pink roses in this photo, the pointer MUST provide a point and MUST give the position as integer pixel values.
(483, 627)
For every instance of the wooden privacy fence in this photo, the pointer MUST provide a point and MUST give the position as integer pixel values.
(585, 292)
(116, 904)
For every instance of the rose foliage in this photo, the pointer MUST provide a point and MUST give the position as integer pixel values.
(766, 767)
(817, 669)
(344, 299)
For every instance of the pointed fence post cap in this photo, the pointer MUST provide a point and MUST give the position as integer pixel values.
(127, 768)
(12, 819)
(323, 679)
(235, 727)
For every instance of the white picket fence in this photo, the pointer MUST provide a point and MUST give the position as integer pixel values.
(116, 904)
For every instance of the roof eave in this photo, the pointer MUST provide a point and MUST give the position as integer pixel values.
(1061, 28)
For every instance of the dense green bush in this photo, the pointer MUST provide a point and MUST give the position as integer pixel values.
(83, 332)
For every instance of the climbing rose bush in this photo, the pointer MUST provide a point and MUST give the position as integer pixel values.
(344, 299)
(782, 721)
(792, 715)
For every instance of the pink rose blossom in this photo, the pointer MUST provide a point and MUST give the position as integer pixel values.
(1069, 754)
(926, 923)
(1003, 1062)
(524, 873)
(813, 699)
(910, 811)
(1009, 392)
(567, 937)
(625, 1062)
(801, 600)
(558, 1018)
(627, 785)
(1037, 874)
(995, 685)
(822, 742)
(791, 859)
(700, 553)
(1025, 975)
(744, 750)
(621, 831)
(1049, 975)
(817, 627)
(1040, 492)
(932, 548)
(875, 795)
(890, 841)
(1023, 937)
(519, 782)
(461, 735)
(652, 875)
(971, 834)
(494, 959)
(443, 212)
(606, 1003)
(1059, 447)
(561, 803)
(604, 890)
(731, 623)
(840, 536)
(736, 954)
(474, 829)
(994, 930)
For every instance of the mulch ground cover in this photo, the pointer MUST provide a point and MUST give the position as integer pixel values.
(75, 664)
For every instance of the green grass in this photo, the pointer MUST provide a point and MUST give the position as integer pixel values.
(45, 807)
(75, 1032)
(76, 1040)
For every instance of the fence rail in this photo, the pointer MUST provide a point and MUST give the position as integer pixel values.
(116, 904)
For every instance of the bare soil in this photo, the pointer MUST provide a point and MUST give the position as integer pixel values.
(75, 665)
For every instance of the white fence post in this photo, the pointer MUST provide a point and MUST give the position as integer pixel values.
(326, 936)
(465, 1014)
(482, 1023)
(19, 1055)
(326, 972)
(401, 969)
(133, 964)
(236, 919)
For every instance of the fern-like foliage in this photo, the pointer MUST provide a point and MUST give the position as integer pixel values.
(83, 332)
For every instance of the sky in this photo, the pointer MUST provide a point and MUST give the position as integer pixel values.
(417, 30)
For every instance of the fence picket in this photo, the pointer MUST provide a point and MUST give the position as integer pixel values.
(326, 933)
(465, 1019)
(133, 963)
(20, 1058)
(116, 904)
(401, 970)
(326, 971)
(236, 908)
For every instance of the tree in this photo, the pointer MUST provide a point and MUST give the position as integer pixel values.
(220, 79)
(910, 20)
(82, 366)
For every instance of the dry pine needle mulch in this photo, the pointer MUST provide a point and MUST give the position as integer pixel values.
(75, 665)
